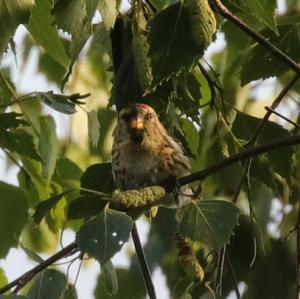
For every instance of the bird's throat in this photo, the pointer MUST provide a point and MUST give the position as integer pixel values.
(137, 136)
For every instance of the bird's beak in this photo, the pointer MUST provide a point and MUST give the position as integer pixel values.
(137, 124)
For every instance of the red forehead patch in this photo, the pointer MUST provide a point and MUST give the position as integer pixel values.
(142, 106)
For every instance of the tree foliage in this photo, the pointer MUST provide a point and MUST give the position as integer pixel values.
(153, 52)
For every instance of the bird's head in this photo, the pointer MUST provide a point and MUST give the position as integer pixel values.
(137, 120)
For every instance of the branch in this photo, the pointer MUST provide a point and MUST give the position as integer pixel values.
(222, 10)
(143, 263)
(252, 152)
(298, 254)
(27, 276)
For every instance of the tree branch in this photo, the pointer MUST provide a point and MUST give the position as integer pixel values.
(27, 276)
(143, 263)
(252, 152)
(222, 10)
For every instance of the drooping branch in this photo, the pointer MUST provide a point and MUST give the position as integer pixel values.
(218, 6)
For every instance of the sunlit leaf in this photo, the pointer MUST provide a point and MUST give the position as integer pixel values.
(109, 10)
(263, 10)
(94, 127)
(12, 13)
(48, 145)
(209, 221)
(43, 208)
(42, 29)
(48, 284)
(13, 216)
(3, 278)
(104, 236)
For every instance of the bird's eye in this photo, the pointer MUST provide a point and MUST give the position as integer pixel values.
(126, 117)
(149, 116)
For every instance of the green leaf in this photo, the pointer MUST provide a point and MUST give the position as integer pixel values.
(48, 284)
(20, 142)
(31, 254)
(110, 278)
(45, 33)
(262, 64)
(98, 177)
(6, 88)
(210, 222)
(281, 160)
(43, 208)
(109, 10)
(70, 292)
(57, 102)
(264, 11)
(105, 235)
(171, 49)
(13, 216)
(48, 145)
(12, 13)
(131, 285)
(86, 206)
(94, 127)
(178, 37)
(3, 278)
(11, 120)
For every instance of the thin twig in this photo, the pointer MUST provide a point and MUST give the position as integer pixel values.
(222, 10)
(233, 276)
(27, 276)
(246, 154)
(143, 263)
(282, 116)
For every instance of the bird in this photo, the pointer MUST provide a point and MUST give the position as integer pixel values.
(145, 154)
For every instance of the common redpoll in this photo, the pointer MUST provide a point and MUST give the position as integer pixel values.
(144, 154)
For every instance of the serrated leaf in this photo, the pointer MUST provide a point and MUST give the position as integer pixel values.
(57, 102)
(209, 221)
(172, 48)
(264, 11)
(105, 235)
(93, 127)
(110, 279)
(48, 145)
(42, 29)
(244, 127)
(109, 10)
(98, 177)
(43, 208)
(11, 120)
(262, 64)
(86, 206)
(20, 142)
(13, 216)
(48, 284)
(188, 28)
(12, 13)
